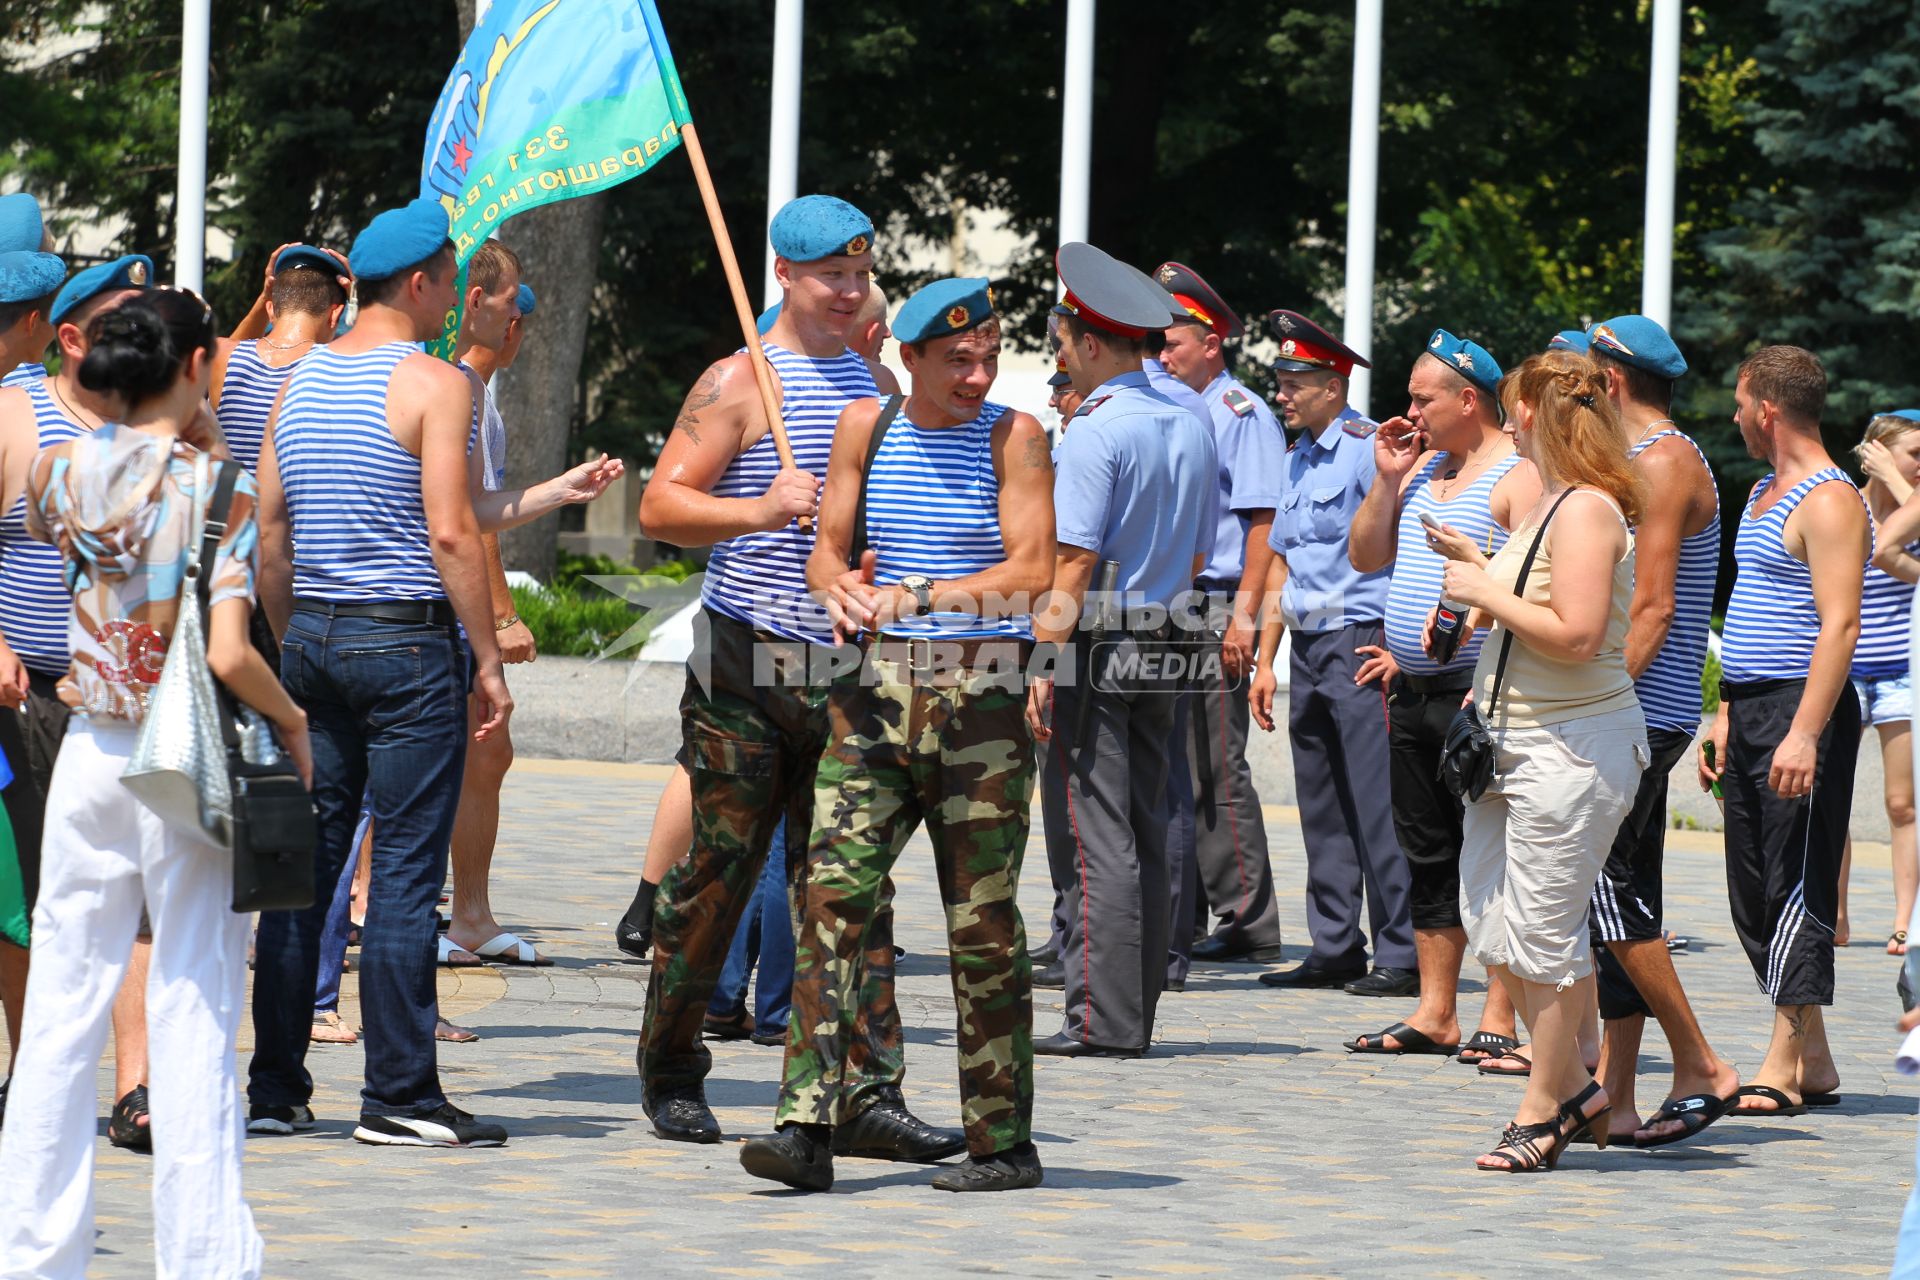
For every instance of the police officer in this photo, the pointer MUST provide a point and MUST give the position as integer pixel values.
(1134, 488)
(1230, 841)
(1338, 676)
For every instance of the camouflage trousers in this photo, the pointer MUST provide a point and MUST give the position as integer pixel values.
(955, 753)
(752, 744)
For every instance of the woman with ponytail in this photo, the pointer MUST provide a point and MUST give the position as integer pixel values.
(119, 504)
(1570, 741)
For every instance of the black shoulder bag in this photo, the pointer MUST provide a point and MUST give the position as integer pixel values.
(1466, 760)
(888, 412)
(275, 828)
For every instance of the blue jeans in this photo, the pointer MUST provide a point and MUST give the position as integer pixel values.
(766, 932)
(386, 705)
(333, 934)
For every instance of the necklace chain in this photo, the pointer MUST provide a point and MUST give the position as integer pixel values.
(73, 413)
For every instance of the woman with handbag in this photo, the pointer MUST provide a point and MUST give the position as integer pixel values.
(126, 504)
(1563, 734)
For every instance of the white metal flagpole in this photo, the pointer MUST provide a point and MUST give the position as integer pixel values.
(1663, 143)
(1076, 123)
(783, 134)
(190, 201)
(1363, 189)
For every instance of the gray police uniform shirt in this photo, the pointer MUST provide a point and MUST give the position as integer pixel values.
(1326, 481)
(1135, 483)
(1253, 459)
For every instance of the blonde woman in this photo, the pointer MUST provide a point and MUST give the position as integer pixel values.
(1890, 455)
(1570, 740)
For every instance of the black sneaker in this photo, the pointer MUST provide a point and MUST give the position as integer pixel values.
(1008, 1170)
(792, 1156)
(279, 1120)
(447, 1127)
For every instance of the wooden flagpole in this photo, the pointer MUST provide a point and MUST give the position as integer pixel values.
(762, 372)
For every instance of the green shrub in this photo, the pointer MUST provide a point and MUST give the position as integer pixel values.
(1710, 684)
(567, 623)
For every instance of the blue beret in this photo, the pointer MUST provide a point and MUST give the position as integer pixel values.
(815, 227)
(944, 308)
(1640, 343)
(305, 255)
(21, 229)
(1468, 359)
(1570, 340)
(134, 271)
(25, 276)
(525, 302)
(767, 319)
(398, 239)
(1911, 415)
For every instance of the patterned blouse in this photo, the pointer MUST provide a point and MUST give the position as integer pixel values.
(118, 503)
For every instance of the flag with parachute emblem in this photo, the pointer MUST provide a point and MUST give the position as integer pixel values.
(550, 99)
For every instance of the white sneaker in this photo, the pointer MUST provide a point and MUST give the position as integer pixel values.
(279, 1120)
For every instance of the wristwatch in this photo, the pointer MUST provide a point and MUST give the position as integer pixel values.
(922, 588)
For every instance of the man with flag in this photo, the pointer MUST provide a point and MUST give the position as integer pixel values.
(754, 709)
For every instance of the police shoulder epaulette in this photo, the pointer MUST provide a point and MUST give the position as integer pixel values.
(1359, 427)
(1239, 401)
(1090, 405)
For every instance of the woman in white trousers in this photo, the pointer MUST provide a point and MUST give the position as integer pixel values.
(118, 503)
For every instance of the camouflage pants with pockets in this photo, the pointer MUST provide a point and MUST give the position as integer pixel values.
(956, 754)
(752, 748)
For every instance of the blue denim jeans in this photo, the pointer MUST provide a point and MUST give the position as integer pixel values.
(765, 933)
(333, 934)
(386, 704)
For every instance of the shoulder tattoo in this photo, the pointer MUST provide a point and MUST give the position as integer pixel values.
(705, 394)
(1038, 456)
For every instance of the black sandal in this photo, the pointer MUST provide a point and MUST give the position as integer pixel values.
(736, 1026)
(1486, 1044)
(1520, 1146)
(123, 1124)
(1412, 1040)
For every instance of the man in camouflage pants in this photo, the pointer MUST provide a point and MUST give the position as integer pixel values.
(929, 728)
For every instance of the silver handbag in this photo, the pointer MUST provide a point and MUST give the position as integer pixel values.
(179, 764)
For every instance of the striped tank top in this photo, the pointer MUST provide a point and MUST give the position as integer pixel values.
(34, 600)
(1771, 622)
(933, 507)
(1886, 608)
(1669, 688)
(246, 398)
(352, 492)
(760, 579)
(1418, 568)
(21, 375)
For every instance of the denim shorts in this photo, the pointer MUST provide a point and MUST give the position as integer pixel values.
(1885, 699)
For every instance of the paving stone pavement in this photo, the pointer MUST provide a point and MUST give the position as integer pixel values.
(1248, 1142)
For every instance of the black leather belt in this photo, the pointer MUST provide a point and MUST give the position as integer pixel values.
(1428, 686)
(437, 612)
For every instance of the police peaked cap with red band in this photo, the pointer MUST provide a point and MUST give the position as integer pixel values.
(1108, 294)
(1307, 348)
(1198, 300)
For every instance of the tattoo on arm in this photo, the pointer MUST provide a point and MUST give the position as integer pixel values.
(703, 396)
(1039, 457)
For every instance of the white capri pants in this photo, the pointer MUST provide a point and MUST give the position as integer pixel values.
(102, 852)
(1533, 846)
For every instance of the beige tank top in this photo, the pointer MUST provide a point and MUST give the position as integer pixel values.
(1540, 690)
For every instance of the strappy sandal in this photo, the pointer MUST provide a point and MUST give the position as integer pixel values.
(124, 1129)
(1485, 1045)
(1522, 1150)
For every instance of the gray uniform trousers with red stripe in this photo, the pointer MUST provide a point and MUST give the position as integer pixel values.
(1340, 771)
(1230, 833)
(1104, 802)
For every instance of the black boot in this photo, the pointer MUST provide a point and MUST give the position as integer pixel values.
(797, 1155)
(634, 933)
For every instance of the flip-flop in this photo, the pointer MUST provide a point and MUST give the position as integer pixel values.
(1488, 1069)
(449, 950)
(1823, 1099)
(1411, 1041)
(1694, 1112)
(510, 949)
(1782, 1104)
(1488, 1044)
